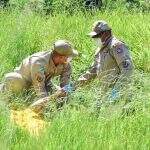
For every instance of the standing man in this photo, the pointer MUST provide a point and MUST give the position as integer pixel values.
(112, 64)
(38, 69)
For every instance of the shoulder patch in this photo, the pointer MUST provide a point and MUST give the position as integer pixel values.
(39, 78)
(119, 48)
(42, 69)
(125, 64)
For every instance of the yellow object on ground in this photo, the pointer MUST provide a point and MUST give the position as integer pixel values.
(29, 120)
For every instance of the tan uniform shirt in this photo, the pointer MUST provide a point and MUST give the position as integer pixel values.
(112, 63)
(39, 68)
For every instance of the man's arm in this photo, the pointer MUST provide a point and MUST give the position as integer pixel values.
(38, 79)
(124, 61)
(91, 73)
(65, 75)
(40, 87)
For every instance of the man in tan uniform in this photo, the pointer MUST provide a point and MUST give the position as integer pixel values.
(38, 69)
(112, 63)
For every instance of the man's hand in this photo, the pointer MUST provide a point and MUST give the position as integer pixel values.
(39, 105)
(82, 79)
(80, 82)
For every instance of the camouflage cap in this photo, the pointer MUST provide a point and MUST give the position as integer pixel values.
(63, 47)
(98, 27)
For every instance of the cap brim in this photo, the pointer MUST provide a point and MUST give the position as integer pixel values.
(74, 53)
(92, 34)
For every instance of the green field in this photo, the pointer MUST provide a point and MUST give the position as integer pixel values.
(78, 125)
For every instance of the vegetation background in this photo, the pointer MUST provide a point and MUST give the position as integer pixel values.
(29, 26)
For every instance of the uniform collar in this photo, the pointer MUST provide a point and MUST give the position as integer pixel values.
(106, 43)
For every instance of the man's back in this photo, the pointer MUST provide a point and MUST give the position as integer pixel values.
(25, 68)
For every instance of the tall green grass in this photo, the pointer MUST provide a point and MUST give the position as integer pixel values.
(71, 6)
(25, 33)
(78, 126)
